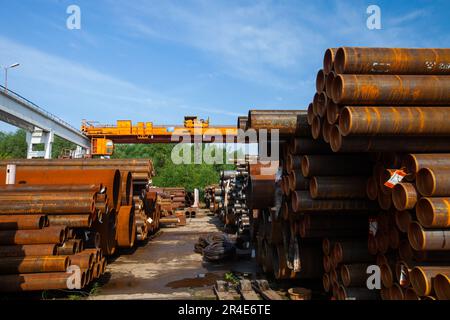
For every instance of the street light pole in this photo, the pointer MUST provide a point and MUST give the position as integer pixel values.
(6, 74)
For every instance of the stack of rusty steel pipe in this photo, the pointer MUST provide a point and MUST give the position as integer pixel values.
(373, 106)
(91, 203)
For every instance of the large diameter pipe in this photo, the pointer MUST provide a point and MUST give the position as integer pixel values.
(27, 250)
(49, 235)
(381, 90)
(442, 286)
(36, 264)
(335, 165)
(297, 181)
(126, 227)
(387, 144)
(260, 191)
(421, 239)
(359, 60)
(385, 121)
(320, 81)
(404, 196)
(302, 202)
(283, 120)
(414, 162)
(335, 187)
(7, 189)
(434, 212)
(35, 281)
(433, 182)
(328, 60)
(303, 146)
(23, 222)
(422, 278)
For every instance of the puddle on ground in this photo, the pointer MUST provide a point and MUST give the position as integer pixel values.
(208, 280)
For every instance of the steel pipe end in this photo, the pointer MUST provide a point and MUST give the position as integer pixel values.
(335, 139)
(426, 182)
(425, 212)
(420, 282)
(345, 121)
(416, 236)
(442, 286)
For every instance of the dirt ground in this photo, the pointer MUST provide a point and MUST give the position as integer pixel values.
(167, 267)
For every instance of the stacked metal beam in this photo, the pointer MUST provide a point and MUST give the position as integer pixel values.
(88, 205)
(372, 106)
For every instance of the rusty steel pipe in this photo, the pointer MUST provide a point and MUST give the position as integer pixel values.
(48, 207)
(335, 165)
(297, 181)
(329, 84)
(302, 202)
(442, 286)
(242, 123)
(333, 111)
(126, 227)
(23, 222)
(28, 250)
(34, 281)
(126, 197)
(320, 81)
(109, 179)
(335, 187)
(326, 283)
(310, 225)
(25, 188)
(28, 197)
(385, 121)
(316, 126)
(283, 120)
(293, 162)
(402, 220)
(322, 102)
(71, 221)
(48, 235)
(68, 248)
(433, 212)
(404, 196)
(387, 276)
(260, 191)
(421, 239)
(303, 146)
(360, 60)
(107, 230)
(422, 278)
(351, 251)
(381, 90)
(385, 144)
(83, 260)
(328, 60)
(36, 264)
(280, 268)
(354, 275)
(414, 162)
(433, 182)
(310, 113)
(314, 103)
(326, 131)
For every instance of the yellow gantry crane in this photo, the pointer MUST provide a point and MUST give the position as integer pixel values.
(103, 137)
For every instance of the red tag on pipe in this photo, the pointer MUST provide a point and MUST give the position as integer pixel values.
(395, 178)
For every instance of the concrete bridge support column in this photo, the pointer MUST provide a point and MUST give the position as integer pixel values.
(39, 136)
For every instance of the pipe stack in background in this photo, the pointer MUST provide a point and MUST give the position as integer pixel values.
(86, 210)
(376, 110)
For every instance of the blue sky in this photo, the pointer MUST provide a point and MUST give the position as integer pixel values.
(160, 60)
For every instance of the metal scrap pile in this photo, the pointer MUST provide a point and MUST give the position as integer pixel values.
(215, 247)
(378, 115)
(59, 213)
